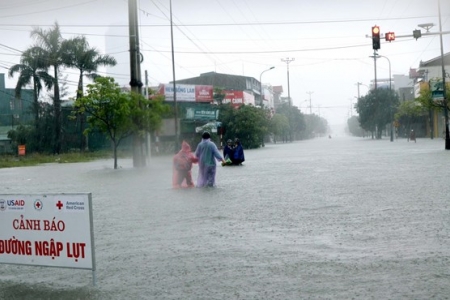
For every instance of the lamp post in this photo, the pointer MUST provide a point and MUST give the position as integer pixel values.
(260, 84)
(390, 92)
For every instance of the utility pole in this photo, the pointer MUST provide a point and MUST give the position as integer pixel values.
(288, 60)
(135, 73)
(174, 83)
(310, 107)
(147, 134)
(447, 137)
(358, 84)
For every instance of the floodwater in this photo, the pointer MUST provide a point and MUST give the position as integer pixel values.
(340, 218)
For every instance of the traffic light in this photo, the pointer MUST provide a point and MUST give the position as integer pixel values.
(376, 37)
(417, 33)
(390, 36)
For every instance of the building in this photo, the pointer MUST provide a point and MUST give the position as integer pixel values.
(432, 69)
(13, 111)
(277, 91)
(228, 82)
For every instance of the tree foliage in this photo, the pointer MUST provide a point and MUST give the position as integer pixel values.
(353, 126)
(279, 127)
(49, 47)
(118, 114)
(376, 109)
(248, 123)
(76, 53)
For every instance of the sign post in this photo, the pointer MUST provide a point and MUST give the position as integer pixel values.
(53, 230)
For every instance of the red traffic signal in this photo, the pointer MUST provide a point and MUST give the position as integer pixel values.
(376, 37)
(390, 36)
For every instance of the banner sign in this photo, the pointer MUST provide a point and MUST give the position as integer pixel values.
(437, 89)
(237, 98)
(54, 230)
(193, 113)
(187, 92)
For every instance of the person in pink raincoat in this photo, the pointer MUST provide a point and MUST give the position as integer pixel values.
(207, 154)
(182, 167)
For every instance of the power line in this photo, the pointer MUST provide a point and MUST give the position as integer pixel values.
(239, 24)
(47, 10)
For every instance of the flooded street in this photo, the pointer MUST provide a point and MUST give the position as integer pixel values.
(337, 218)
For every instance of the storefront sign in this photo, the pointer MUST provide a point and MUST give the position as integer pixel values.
(202, 113)
(187, 92)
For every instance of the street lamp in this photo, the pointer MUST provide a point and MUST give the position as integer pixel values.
(390, 90)
(260, 84)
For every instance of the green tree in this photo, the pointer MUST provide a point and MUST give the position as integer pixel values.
(279, 127)
(315, 126)
(119, 114)
(297, 122)
(32, 70)
(376, 109)
(218, 95)
(49, 47)
(248, 123)
(251, 125)
(77, 54)
(409, 112)
(353, 126)
(226, 117)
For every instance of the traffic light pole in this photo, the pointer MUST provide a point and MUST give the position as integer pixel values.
(375, 69)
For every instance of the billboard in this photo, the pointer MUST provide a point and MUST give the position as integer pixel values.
(187, 92)
(54, 230)
(237, 98)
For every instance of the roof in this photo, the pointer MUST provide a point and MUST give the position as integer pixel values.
(437, 61)
(226, 81)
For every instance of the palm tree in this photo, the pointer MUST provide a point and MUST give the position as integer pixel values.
(32, 70)
(49, 45)
(77, 54)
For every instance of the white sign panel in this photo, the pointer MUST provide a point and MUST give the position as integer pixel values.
(185, 92)
(53, 230)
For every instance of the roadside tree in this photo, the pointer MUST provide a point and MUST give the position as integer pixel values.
(119, 114)
(376, 110)
(279, 127)
(49, 45)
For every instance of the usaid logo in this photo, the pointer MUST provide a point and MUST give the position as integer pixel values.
(16, 202)
(2, 205)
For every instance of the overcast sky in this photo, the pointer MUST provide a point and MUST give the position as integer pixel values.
(327, 39)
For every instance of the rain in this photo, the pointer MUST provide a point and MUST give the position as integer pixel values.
(337, 218)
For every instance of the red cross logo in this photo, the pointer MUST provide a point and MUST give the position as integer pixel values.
(59, 204)
(38, 204)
